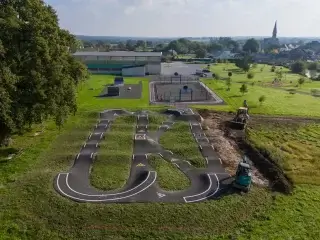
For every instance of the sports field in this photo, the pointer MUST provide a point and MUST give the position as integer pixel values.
(30, 208)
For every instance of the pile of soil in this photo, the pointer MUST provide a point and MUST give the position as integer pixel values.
(232, 145)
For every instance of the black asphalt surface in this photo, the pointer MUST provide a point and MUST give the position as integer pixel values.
(124, 92)
(208, 183)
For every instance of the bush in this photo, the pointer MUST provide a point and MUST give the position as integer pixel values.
(216, 76)
(298, 67)
(230, 74)
(176, 74)
(250, 75)
(244, 89)
(262, 99)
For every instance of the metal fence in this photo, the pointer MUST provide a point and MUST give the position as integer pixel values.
(182, 96)
(175, 79)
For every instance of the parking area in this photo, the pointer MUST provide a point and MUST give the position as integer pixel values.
(181, 68)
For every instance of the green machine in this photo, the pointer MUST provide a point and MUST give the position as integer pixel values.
(243, 176)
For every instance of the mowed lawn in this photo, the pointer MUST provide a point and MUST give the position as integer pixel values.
(31, 209)
(278, 100)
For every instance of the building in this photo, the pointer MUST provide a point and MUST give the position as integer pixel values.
(122, 62)
(273, 41)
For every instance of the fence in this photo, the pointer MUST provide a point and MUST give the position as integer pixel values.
(182, 96)
(175, 79)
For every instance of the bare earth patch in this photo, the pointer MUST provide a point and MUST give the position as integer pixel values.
(227, 148)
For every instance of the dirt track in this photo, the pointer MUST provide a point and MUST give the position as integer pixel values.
(231, 144)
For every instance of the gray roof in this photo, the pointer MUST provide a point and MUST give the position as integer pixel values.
(120, 54)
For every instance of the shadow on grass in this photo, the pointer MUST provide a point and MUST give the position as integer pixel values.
(235, 96)
(6, 152)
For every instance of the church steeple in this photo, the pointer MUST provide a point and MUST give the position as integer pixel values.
(275, 30)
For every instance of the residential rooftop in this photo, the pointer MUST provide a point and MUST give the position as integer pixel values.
(120, 54)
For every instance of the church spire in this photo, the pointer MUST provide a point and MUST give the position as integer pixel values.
(275, 30)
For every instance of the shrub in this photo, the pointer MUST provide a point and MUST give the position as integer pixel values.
(250, 75)
(176, 74)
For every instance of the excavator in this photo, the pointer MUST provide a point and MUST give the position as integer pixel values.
(243, 176)
(240, 120)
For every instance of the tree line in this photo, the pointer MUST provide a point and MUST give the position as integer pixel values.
(180, 46)
(38, 75)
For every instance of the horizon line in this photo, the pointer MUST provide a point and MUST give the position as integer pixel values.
(241, 36)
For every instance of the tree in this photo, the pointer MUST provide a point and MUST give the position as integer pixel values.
(130, 45)
(250, 75)
(201, 53)
(251, 46)
(244, 63)
(244, 88)
(38, 75)
(301, 81)
(228, 83)
(313, 66)
(279, 75)
(230, 74)
(262, 99)
(298, 67)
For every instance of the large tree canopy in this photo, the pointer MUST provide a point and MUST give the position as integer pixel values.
(38, 75)
(251, 45)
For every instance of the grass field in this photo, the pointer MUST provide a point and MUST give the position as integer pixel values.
(111, 169)
(169, 177)
(295, 147)
(31, 209)
(278, 100)
(180, 141)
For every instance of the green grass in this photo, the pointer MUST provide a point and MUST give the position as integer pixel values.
(278, 100)
(87, 98)
(31, 209)
(112, 167)
(295, 147)
(155, 120)
(169, 178)
(180, 141)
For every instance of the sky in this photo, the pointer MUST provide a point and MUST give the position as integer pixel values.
(189, 18)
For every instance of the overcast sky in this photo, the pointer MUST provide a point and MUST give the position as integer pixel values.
(192, 18)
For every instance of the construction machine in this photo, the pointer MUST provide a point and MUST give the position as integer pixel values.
(240, 120)
(243, 176)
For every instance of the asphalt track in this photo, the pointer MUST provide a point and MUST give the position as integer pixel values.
(207, 183)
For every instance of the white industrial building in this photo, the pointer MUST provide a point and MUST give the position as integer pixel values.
(122, 62)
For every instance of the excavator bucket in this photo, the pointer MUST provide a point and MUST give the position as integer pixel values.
(237, 125)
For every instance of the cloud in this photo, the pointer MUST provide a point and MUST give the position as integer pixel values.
(188, 17)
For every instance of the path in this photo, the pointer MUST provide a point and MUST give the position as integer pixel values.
(142, 185)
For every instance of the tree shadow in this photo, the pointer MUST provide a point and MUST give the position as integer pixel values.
(235, 96)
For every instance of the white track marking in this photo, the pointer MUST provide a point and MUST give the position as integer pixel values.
(84, 145)
(200, 147)
(106, 195)
(197, 200)
(161, 155)
(132, 156)
(170, 152)
(188, 162)
(101, 135)
(78, 155)
(220, 161)
(146, 155)
(176, 165)
(97, 144)
(206, 160)
(90, 136)
(91, 155)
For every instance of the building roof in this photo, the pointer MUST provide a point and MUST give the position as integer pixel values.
(120, 54)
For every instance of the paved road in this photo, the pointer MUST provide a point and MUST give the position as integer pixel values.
(207, 183)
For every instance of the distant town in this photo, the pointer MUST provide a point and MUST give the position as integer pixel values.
(269, 50)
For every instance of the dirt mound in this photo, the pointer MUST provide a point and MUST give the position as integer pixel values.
(231, 144)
